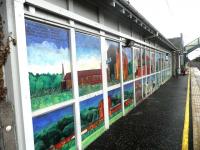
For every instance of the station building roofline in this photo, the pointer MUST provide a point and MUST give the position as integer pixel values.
(142, 21)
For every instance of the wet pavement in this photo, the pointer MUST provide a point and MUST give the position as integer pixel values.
(156, 124)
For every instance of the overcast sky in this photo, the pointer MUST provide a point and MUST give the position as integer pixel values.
(172, 17)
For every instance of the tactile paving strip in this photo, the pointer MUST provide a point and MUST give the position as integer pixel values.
(195, 96)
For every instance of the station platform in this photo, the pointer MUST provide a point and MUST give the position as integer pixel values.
(157, 123)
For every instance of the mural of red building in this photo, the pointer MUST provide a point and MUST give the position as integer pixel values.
(85, 77)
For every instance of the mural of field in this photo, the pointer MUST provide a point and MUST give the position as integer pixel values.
(88, 50)
(138, 90)
(113, 63)
(128, 96)
(153, 82)
(137, 63)
(144, 87)
(114, 104)
(48, 61)
(92, 119)
(157, 62)
(149, 85)
(144, 66)
(160, 61)
(127, 64)
(54, 130)
(158, 80)
(148, 61)
(152, 61)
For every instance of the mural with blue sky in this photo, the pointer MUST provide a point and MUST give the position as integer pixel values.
(48, 62)
(88, 50)
(44, 121)
(92, 102)
(47, 48)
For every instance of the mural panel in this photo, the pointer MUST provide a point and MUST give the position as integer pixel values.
(144, 66)
(149, 85)
(157, 80)
(114, 104)
(113, 63)
(127, 64)
(137, 63)
(48, 62)
(153, 82)
(144, 87)
(92, 118)
(54, 130)
(128, 96)
(157, 62)
(88, 50)
(152, 61)
(148, 61)
(138, 90)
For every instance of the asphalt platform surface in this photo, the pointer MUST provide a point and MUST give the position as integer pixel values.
(155, 124)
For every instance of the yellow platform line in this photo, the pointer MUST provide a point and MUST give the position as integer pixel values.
(186, 122)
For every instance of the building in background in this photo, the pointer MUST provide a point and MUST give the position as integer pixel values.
(179, 56)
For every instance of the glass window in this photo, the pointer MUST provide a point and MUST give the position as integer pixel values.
(88, 53)
(157, 61)
(114, 104)
(48, 64)
(113, 63)
(144, 66)
(54, 129)
(127, 64)
(138, 90)
(152, 61)
(92, 117)
(128, 96)
(148, 61)
(137, 63)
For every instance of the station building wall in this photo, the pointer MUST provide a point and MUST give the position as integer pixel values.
(82, 79)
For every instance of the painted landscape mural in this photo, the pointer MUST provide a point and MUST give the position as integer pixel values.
(138, 90)
(149, 85)
(88, 50)
(113, 62)
(54, 130)
(152, 61)
(127, 64)
(144, 87)
(92, 119)
(153, 82)
(137, 63)
(144, 66)
(114, 104)
(128, 96)
(148, 61)
(48, 62)
(157, 62)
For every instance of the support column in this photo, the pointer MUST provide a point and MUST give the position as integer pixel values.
(104, 78)
(22, 101)
(77, 119)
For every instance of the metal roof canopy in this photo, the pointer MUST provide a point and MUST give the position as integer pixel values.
(136, 17)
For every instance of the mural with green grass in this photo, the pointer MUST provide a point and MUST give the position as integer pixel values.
(54, 130)
(48, 62)
(127, 56)
(129, 96)
(88, 53)
(92, 118)
(114, 104)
